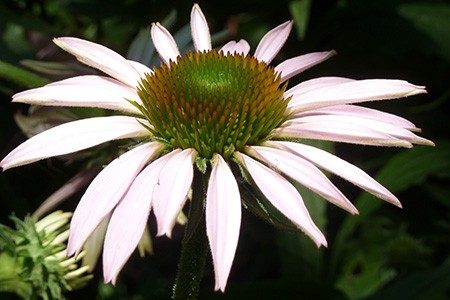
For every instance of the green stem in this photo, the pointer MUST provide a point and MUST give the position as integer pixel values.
(194, 246)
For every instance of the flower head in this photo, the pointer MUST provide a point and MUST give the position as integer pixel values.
(33, 260)
(224, 111)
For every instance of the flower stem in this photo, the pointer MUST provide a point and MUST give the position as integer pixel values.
(194, 246)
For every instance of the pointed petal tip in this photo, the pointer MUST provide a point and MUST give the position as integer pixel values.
(418, 89)
(219, 288)
(109, 278)
(164, 231)
(72, 249)
(420, 141)
(320, 241)
(69, 251)
(3, 166)
(354, 211)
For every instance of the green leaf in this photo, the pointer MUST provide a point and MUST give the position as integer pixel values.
(430, 284)
(141, 48)
(21, 76)
(364, 277)
(433, 20)
(51, 68)
(404, 170)
(300, 13)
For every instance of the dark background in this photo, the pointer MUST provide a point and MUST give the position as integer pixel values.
(385, 253)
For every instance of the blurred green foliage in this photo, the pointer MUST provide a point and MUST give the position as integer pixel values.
(384, 253)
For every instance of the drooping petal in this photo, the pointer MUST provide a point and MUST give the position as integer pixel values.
(283, 196)
(164, 43)
(362, 123)
(106, 190)
(354, 92)
(293, 66)
(361, 112)
(233, 47)
(272, 41)
(170, 193)
(303, 172)
(337, 166)
(129, 220)
(223, 219)
(72, 137)
(83, 91)
(305, 86)
(100, 57)
(200, 30)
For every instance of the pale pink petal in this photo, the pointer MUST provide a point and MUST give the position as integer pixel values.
(361, 123)
(337, 166)
(309, 85)
(272, 41)
(102, 58)
(223, 219)
(72, 137)
(233, 47)
(283, 196)
(106, 190)
(141, 68)
(361, 112)
(200, 30)
(129, 221)
(83, 91)
(340, 132)
(164, 43)
(354, 92)
(303, 172)
(170, 193)
(293, 66)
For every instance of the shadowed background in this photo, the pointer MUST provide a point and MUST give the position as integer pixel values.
(385, 253)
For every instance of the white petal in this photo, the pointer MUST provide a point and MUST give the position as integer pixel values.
(362, 123)
(339, 167)
(200, 30)
(170, 193)
(72, 137)
(272, 41)
(102, 58)
(223, 219)
(340, 132)
(129, 221)
(164, 43)
(303, 172)
(306, 86)
(83, 91)
(293, 66)
(233, 47)
(354, 92)
(360, 112)
(283, 197)
(105, 192)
